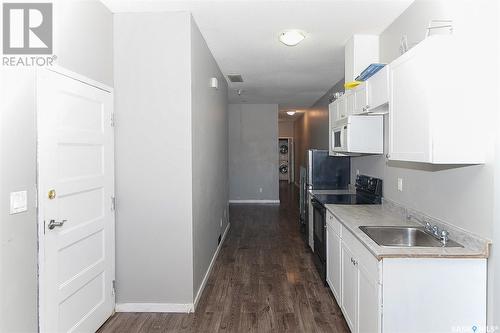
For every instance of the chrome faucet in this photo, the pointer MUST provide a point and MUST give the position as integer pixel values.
(441, 234)
(433, 230)
(445, 237)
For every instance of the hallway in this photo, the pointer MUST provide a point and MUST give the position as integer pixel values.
(264, 280)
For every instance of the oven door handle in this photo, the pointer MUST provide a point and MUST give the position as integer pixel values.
(318, 205)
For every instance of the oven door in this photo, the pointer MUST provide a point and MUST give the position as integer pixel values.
(319, 217)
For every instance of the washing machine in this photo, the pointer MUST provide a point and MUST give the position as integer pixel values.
(283, 170)
(284, 149)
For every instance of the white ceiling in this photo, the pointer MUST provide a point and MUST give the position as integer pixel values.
(243, 37)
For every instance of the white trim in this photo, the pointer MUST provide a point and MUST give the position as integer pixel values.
(154, 307)
(79, 77)
(254, 202)
(209, 270)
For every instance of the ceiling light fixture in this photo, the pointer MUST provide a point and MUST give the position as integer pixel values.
(292, 37)
(290, 113)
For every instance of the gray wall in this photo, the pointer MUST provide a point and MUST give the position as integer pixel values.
(285, 128)
(18, 248)
(210, 155)
(83, 39)
(253, 152)
(167, 236)
(154, 257)
(18, 233)
(463, 196)
(311, 129)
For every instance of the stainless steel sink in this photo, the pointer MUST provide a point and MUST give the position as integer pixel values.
(404, 237)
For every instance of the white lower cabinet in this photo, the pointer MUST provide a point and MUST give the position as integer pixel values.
(352, 274)
(360, 286)
(349, 288)
(333, 257)
(403, 295)
(369, 313)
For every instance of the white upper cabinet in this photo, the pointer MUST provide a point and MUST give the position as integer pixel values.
(377, 88)
(333, 112)
(372, 95)
(360, 98)
(360, 51)
(342, 107)
(350, 102)
(429, 107)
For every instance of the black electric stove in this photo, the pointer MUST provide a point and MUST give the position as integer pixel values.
(368, 192)
(344, 199)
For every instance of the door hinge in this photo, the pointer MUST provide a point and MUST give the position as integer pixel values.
(113, 203)
(113, 119)
(36, 196)
(113, 287)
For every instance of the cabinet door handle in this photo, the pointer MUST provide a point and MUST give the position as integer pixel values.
(354, 262)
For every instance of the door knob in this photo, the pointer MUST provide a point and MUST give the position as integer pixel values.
(52, 194)
(53, 224)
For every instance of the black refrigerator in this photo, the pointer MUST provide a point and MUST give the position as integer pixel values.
(322, 172)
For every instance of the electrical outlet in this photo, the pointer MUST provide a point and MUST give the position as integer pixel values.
(357, 172)
(400, 184)
(260, 189)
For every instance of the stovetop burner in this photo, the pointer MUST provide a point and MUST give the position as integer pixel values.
(368, 192)
(345, 199)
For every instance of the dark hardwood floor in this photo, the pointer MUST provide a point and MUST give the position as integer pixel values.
(264, 280)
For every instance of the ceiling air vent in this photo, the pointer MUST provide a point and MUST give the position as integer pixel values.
(235, 78)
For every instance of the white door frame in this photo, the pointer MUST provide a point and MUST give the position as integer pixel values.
(40, 217)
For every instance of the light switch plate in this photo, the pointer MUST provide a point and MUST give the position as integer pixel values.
(400, 184)
(18, 202)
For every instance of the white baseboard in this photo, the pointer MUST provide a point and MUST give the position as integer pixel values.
(154, 307)
(276, 202)
(174, 307)
(209, 270)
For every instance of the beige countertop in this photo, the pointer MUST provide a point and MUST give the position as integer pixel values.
(354, 216)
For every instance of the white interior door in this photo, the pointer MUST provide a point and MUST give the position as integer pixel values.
(76, 186)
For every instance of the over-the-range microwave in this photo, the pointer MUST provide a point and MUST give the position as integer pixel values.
(359, 135)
